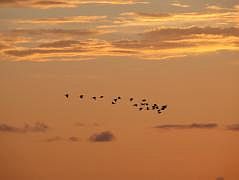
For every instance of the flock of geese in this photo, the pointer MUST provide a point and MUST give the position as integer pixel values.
(141, 105)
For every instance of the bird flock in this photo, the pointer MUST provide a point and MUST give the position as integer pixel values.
(140, 105)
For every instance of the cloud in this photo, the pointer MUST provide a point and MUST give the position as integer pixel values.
(73, 139)
(105, 136)
(44, 4)
(143, 35)
(188, 126)
(178, 4)
(59, 138)
(233, 127)
(51, 33)
(79, 124)
(215, 8)
(54, 139)
(37, 127)
(154, 44)
(220, 178)
(63, 20)
(128, 20)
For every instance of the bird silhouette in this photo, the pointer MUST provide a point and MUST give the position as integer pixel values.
(144, 104)
(164, 107)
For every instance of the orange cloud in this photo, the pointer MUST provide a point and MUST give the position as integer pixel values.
(156, 44)
(133, 19)
(63, 20)
(63, 3)
(178, 4)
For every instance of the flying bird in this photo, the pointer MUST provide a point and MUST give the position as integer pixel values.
(101, 97)
(131, 99)
(144, 100)
(164, 107)
(67, 95)
(94, 98)
(81, 96)
(135, 105)
(141, 109)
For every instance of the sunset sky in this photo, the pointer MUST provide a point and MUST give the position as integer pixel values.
(184, 54)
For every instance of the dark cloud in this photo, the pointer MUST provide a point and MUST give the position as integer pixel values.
(105, 136)
(59, 138)
(54, 139)
(188, 126)
(53, 32)
(233, 127)
(29, 52)
(148, 44)
(156, 15)
(8, 128)
(61, 44)
(73, 139)
(37, 127)
(79, 124)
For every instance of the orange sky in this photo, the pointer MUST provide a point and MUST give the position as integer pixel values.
(180, 53)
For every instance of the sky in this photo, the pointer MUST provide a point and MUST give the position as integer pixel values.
(183, 54)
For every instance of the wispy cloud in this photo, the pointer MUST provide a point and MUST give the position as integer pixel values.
(73, 139)
(37, 127)
(155, 44)
(62, 20)
(54, 139)
(64, 3)
(200, 19)
(144, 35)
(178, 4)
(59, 138)
(188, 126)
(233, 127)
(105, 136)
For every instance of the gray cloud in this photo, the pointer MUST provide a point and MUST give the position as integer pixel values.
(233, 127)
(37, 127)
(73, 139)
(104, 136)
(188, 126)
(54, 139)
(59, 138)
